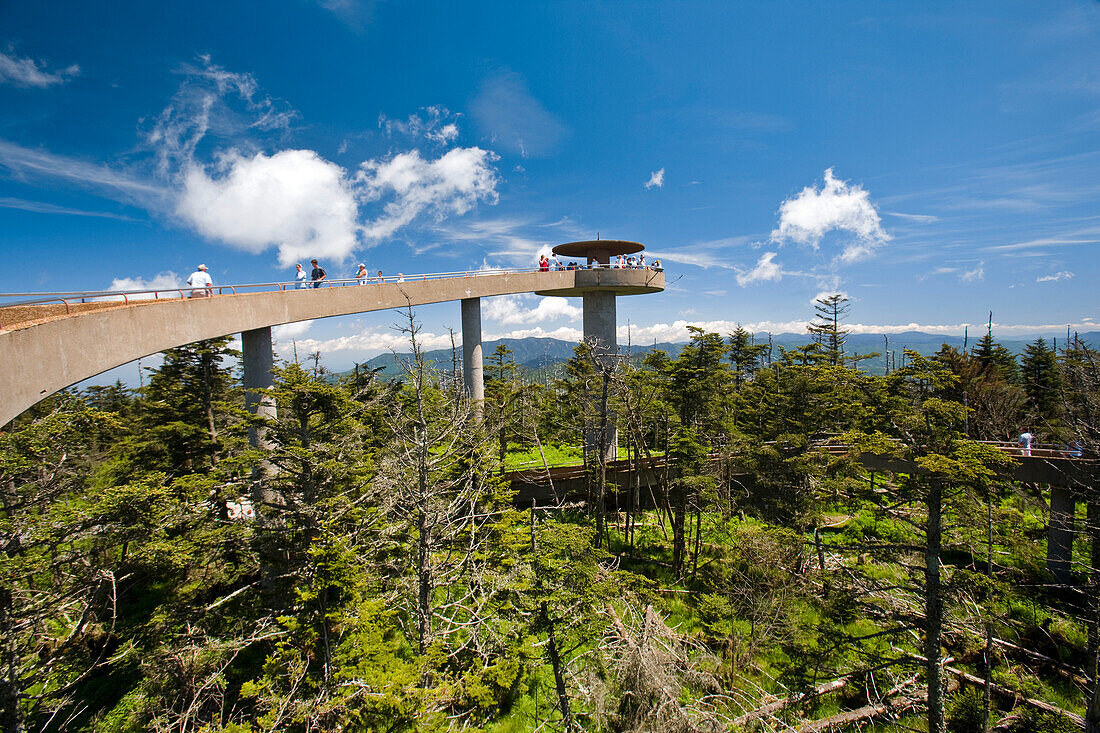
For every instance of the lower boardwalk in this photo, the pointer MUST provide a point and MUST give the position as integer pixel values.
(1067, 481)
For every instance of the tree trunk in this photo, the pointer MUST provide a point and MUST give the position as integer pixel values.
(10, 715)
(933, 607)
(1092, 713)
(423, 553)
(679, 519)
(552, 650)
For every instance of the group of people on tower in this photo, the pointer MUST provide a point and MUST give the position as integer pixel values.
(621, 262)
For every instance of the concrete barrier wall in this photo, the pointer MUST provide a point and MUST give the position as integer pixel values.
(38, 360)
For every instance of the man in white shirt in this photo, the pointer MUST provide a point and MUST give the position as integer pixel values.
(201, 283)
(1024, 441)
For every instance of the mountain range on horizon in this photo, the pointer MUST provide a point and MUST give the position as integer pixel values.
(544, 356)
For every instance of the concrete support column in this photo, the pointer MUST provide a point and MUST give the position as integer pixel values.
(473, 377)
(259, 359)
(599, 334)
(599, 321)
(1063, 508)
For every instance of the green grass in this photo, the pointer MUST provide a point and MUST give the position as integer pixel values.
(556, 455)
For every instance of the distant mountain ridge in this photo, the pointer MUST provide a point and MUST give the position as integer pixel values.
(544, 356)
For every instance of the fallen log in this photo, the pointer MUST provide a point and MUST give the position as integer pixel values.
(1010, 694)
(1074, 673)
(1017, 697)
(777, 705)
(886, 706)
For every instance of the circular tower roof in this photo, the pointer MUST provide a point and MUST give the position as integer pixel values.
(598, 248)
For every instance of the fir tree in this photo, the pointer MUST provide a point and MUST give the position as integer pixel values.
(1041, 378)
(829, 313)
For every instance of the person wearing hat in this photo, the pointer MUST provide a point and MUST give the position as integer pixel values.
(200, 282)
(361, 275)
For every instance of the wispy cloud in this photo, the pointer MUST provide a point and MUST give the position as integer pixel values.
(974, 275)
(1063, 275)
(1040, 243)
(437, 124)
(509, 241)
(29, 163)
(506, 112)
(26, 72)
(915, 218)
(355, 14)
(714, 253)
(656, 179)
(42, 207)
(212, 100)
(765, 270)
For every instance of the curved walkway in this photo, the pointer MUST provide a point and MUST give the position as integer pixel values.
(51, 346)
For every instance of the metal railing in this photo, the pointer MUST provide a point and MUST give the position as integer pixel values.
(126, 296)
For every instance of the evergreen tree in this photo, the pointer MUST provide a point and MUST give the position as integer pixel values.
(502, 390)
(827, 328)
(744, 355)
(995, 360)
(1041, 378)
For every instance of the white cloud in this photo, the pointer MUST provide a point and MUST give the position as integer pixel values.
(976, 275)
(24, 72)
(288, 331)
(564, 333)
(293, 199)
(452, 184)
(765, 270)
(168, 281)
(373, 341)
(508, 114)
(836, 206)
(1063, 275)
(437, 125)
(509, 309)
(656, 179)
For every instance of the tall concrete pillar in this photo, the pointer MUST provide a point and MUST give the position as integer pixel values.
(473, 378)
(259, 359)
(599, 334)
(599, 321)
(1063, 509)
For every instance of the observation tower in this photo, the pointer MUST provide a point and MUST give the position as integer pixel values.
(599, 284)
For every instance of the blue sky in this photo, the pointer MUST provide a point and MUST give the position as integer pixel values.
(934, 161)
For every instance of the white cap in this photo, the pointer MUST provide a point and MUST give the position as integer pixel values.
(202, 267)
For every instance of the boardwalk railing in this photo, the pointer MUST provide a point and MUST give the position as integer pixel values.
(67, 297)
